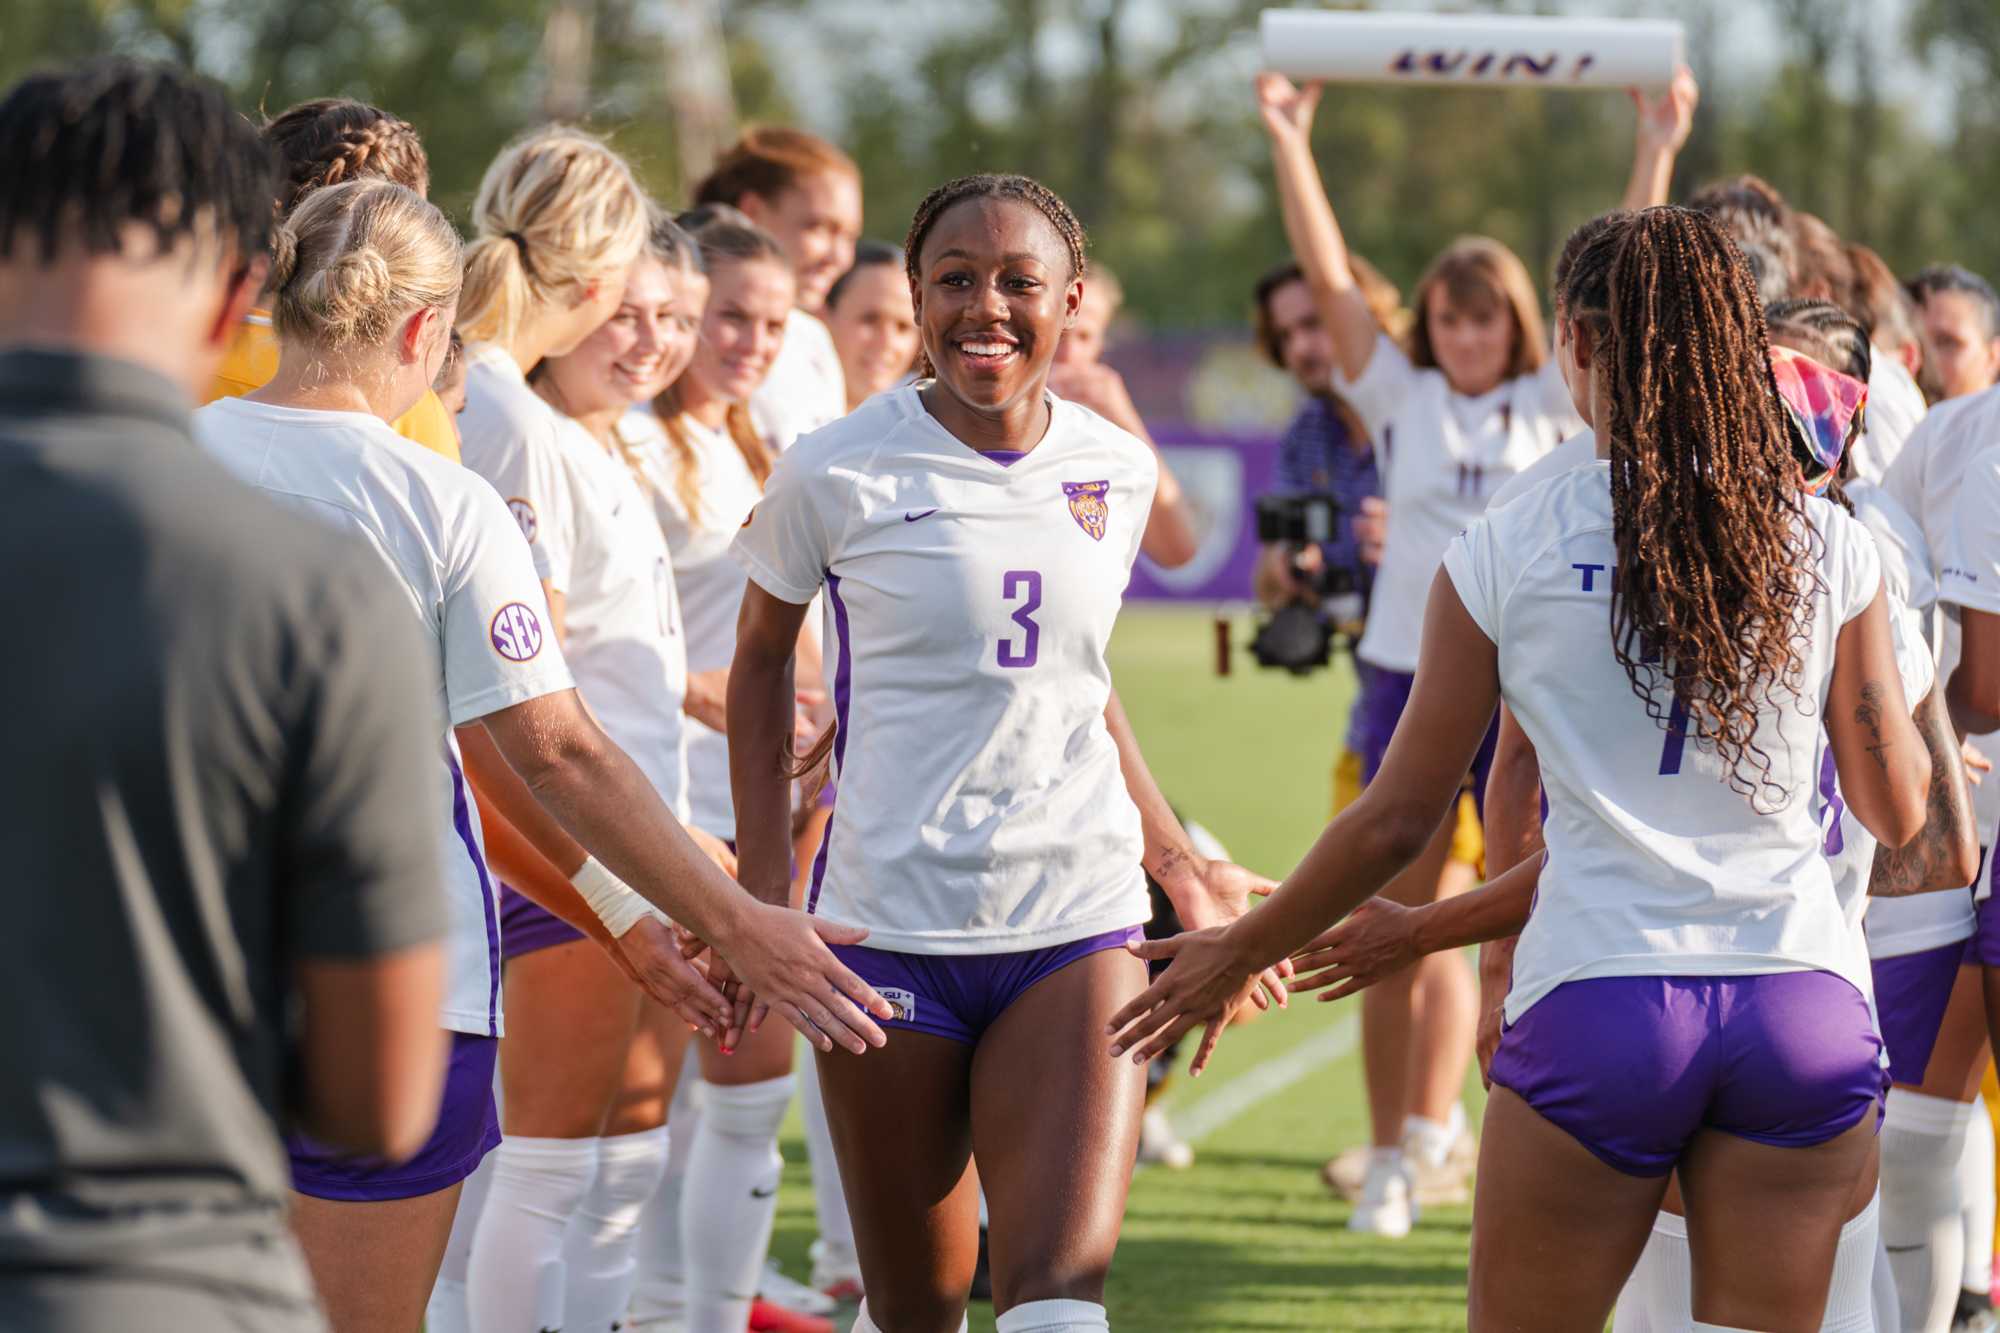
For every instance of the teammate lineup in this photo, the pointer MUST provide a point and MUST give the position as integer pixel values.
(493, 691)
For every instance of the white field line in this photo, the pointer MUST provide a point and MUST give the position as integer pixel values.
(1264, 1080)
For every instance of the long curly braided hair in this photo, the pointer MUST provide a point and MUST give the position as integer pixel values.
(333, 139)
(989, 185)
(1716, 560)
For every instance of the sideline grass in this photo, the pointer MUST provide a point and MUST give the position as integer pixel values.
(1247, 1239)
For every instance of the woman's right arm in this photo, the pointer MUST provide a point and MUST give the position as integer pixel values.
(1882, 761)
(1946, 854)
(1310, 225)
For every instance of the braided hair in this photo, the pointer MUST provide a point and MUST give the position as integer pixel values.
(1716, 561)
(989, 185)
(333, 139)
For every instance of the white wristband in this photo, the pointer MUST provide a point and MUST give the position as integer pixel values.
(615, 902)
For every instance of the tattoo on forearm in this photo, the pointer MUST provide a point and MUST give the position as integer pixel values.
(1869, 715)
(1172, 861)
(1904, 870)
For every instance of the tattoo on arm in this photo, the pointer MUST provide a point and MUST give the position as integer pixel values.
(1869, 715)
(1172, 861)
(1904, 870)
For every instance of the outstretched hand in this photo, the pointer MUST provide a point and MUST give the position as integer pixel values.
(1287, 108)
(784, 965)
(651, 955)
(1203, 985)
(1666, 121)
(1377, 940)
(1227, 891)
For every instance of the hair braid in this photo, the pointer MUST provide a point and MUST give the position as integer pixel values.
(1716, 561)
(989, 185)
(332, 140)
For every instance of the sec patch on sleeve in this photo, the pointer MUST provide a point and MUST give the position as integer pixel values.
(524, 514)
(516, 632)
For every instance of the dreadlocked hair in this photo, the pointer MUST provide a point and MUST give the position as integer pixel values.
(722, 237)
(95, 149)
(334, 139)
(988, 185)
(1824, 332)
(1716, 559)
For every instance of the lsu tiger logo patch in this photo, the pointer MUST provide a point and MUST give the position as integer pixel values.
(1089, 505)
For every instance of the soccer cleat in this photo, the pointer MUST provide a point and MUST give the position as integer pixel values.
(780, 1290)
(1347, 1174)
(1160, 1146)
(1386, 1208)
(840, 1283)
(1974, 1313)
(767, 1317)
(1444, 1183)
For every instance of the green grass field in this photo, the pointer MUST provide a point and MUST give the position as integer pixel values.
(1248, 1239)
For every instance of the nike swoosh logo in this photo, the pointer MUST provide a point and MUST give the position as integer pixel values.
(756, 1193)
(911, 518)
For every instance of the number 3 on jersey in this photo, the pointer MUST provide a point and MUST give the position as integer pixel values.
(1027, 585)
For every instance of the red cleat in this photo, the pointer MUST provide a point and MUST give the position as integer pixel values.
(766, 1317)
(847, 1291)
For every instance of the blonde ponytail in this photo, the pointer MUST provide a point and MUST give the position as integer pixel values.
(557, 210)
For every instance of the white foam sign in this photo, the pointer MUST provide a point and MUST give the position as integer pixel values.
(1502, 50)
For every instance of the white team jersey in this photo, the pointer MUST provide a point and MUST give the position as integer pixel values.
(806, 388)
(710, 583)
(449, 540)
(1573, 452)
(1969, 574)
(1442, 456)
(505, 430)
(1656, 867)
(982, 808)
(1918, 921)
(1924, 480)
(1895, 406)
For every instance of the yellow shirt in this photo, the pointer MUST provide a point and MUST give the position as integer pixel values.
(253, 358)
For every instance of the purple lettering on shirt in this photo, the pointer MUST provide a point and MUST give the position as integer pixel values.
(1026, 583)
(1590, 573)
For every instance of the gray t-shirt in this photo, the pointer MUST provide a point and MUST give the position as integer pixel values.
(219, 754)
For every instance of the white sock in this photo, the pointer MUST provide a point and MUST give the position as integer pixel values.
(659, 1295)
(834, 1256)
(1922, 1138)
(1850, 1298)
(1882, 1287)
(598, 1254)
(445, 1312)
(1054, 1317)
(731, 1199)
(1427, 1140)
(863, 1324)
(1975, 1193)
(515, 1278)
(1658, 1294)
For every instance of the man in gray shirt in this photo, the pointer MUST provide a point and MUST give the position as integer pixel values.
(223, 894)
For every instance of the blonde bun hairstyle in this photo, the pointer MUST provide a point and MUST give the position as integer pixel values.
(556, 211)
(354, 260)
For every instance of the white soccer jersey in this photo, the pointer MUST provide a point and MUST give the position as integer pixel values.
(1442, 456)
(806, 388)
(1656, 867)
(710, 583)
(982, 808)
(1895, 406)
(1924, 480)
(506, 433)
(1574, 452)
(449, 539)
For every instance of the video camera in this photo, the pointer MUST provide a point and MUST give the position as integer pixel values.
(1300, 637)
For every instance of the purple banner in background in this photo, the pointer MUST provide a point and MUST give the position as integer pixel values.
(1222, 475)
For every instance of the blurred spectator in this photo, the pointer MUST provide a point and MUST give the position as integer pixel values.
(218, 806)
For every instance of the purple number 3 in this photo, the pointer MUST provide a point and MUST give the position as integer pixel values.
(1017, 583)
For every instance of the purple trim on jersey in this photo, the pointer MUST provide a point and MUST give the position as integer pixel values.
(843, 683)
(959, 996)
(1634, 1068)
(1912, 991)
(527, 927)
(461, 819)
(1004, 457)
(468, 1127)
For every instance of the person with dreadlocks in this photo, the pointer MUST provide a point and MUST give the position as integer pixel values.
(974, 535)
(1680, 632)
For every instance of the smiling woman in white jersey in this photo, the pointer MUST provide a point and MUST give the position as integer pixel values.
(576, 1012)
(366, 278)
(1679, 632)
(974, 536)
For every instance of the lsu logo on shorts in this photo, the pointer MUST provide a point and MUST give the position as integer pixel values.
(1089, 506)
(516, 632)
(902, 1004)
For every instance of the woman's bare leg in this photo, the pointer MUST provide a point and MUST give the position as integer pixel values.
(374, 1263)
